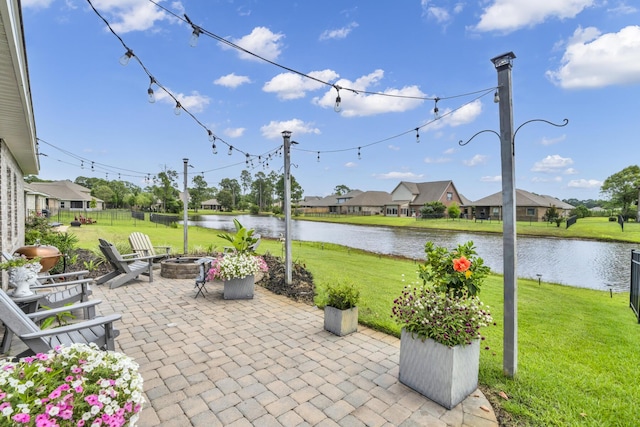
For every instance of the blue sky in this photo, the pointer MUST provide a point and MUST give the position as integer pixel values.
(575, 59)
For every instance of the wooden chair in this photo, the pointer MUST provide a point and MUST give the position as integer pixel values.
(98, 330)
(141, 244)
(128, 266)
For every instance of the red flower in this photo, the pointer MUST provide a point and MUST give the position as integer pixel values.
(461, 264)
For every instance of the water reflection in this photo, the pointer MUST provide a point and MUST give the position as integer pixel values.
(589, 264)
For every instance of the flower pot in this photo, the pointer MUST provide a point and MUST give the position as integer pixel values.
(239, 288)
(22, 278)
(446, 375)
(340, 322)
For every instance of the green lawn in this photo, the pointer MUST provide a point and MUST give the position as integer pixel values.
(577, 348)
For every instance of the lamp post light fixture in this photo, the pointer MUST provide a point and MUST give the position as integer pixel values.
(503, 97)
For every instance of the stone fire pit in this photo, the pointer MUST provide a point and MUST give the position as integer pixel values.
(180, 268)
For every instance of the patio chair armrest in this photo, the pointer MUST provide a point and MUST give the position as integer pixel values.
(61, 284)
(48, 313)
(166, 248)
(97, 321)
(63, 275)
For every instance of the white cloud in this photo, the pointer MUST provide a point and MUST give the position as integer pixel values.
(260, 41)
(351, 164)
(360, 104)
(393, 147)
(294, 86)
(622, 9)
(398, 175)
(551, 164)
(195, 102)
(339, 33)
(510, 15)
(478, 159)
(37, 4)
(465, 114)
(593, 60)
(496, 178)
(438, 160)
(134, 15)
(449, 151)
(234, 132)
(231, 80)
(296, 126)
(440, 14)
(585, 183)
(551, 141)
(553, 179)
(570, 171)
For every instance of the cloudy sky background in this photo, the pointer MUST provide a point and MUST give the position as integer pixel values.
(575, 59)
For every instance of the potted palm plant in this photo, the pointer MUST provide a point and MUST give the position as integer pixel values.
(238, 266)
(340, 310)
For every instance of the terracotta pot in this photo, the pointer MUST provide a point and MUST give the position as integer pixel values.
(49, 255)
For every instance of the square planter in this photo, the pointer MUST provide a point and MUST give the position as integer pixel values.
(241, 288)
(446, 375)
(340, 322)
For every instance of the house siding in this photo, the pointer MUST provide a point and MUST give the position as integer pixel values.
(11, 201)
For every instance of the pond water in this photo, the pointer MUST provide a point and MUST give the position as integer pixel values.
(580, 263)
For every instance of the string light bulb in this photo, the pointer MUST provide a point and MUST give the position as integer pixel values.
(246, 161)
(195, 35)
(81, 164)
(338, 105)
(418, 135)
(230, 152)
(92, 168)
(435, 109)
(318, 157)
(151, 97)
(359, 157)
(496, 97)
(212, 137)
(178, 109)
(214, 148)
(124, 59)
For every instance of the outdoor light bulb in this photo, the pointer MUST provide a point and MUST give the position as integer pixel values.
(211, 136)
(496, 97)
(193, 42)
(178, 109)
(337, 107)
(230, 152)
(435, 108)
(418, 135)
(124, 59)
(151, 96)
(318, 156)
(213, 147)
(359, 157)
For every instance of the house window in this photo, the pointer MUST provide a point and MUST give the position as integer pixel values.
(76, 204)
(531, 211)
(449, 196)
(496, 211)
(61, 205)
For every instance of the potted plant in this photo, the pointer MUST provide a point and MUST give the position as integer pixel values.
(441, 321)
(78, 385)
(23, 273)
(238, 266)
(340, 310)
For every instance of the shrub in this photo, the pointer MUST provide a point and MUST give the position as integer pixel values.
(342, 296)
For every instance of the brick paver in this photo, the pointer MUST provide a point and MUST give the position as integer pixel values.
(263, 362)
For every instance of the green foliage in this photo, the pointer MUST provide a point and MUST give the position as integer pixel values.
(341, 189)
(254, 209)
(581, 211)
(61, 318)
(277, 210)
(20, 261)
(551, 214)
(342, 295)
(243, 241)
(91, 265)
(622, 187)
(440, 269)
(453, 210)
(433, 210)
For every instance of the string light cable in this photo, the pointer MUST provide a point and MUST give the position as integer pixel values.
(200, 30)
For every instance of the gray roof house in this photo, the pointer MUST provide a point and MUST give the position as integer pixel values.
(72, 196)
(529, 206)
(367, 203)
(408, 197)
(332, 204)
(18, 147)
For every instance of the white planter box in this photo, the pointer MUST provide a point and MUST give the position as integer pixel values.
(340, 322)
(239, 288)
(446, 375)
